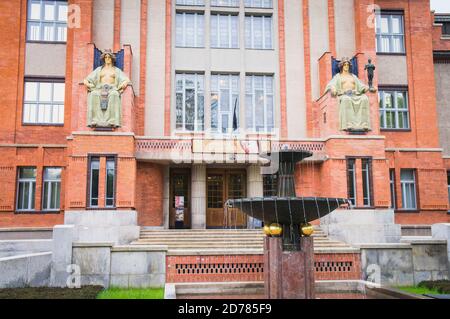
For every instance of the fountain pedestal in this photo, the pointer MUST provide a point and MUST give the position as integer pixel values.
(289, 274)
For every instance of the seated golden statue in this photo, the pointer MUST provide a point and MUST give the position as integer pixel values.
(354, 112)
(105, 86)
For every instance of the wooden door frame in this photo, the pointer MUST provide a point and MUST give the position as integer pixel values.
(188, 210)
(225, 172)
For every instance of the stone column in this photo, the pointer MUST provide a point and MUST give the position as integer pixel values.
(198, 197)
(254, 189)
(166, 195)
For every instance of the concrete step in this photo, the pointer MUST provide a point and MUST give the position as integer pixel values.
(225, 241)
(237, 288)
(226, 245)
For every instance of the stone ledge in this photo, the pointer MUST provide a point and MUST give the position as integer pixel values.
(384, 246)
(25, 229)
(92, 245)
(25, 241)
(429, 242)
(345, 250)
(213, 252)
(135, 248)
(26, 256)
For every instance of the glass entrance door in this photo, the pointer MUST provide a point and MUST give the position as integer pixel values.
(222, 185)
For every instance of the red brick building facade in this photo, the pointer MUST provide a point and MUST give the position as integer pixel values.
(399, 164)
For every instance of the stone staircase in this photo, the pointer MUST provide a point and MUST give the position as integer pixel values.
(233, 241)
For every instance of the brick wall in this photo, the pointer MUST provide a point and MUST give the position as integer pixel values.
(149, 194)
(222, 268)
(40, 157)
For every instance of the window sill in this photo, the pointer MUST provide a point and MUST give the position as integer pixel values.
(101, 208)
(260, 49)
(47, 42)
(37, 212)
(220, 48)
(42, 124)
(402, 130)
(186, 47)
(392, 53)
(409, 211)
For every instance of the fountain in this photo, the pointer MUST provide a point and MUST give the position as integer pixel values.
(288, 247)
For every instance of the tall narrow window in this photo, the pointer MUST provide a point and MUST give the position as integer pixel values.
(191, 2)
(26, 188)
(43, 102)
(392, 188)
(390, 33)
(351, 180)
(189, 102)
(259, 105)
(94, 181)
(110, 181)
(47, 21)
(258, 32)
(367, 181)
(225, 3)
(394, 111)
(224, 31)
(190, 30)
(408, 185)
(52, 189)
(224, 103)
(448, 185)
(258, 3)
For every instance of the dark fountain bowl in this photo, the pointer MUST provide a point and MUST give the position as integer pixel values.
(287, 210)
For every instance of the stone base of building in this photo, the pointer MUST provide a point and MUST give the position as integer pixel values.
(117, 227)
(356, 226)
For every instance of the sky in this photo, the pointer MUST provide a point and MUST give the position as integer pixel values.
(440, 6)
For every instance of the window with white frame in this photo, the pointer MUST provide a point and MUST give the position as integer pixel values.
(392, 188)
(351, 181)
(408, 186)
(189, 101)
(259, 103)
(225, 3)
(191, 2)
(43, 103)
(366, 165)
(258, 32)
(51, 197)
(224, 102)
(47, 21)
(258, 3)
(94, 175)
(394, 110)
(110, 181)
(448, 185)
(224, 31)
(190, 30)
(26, 189)
(390, 36)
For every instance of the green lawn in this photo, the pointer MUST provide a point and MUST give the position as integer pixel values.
(419, 290)
(119, 293)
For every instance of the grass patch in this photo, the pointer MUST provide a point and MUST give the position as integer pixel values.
(419, 290)
(144, 293)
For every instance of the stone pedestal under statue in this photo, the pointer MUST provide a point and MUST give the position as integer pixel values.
(289, 274)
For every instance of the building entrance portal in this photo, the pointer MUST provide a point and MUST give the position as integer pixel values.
(222, 185)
